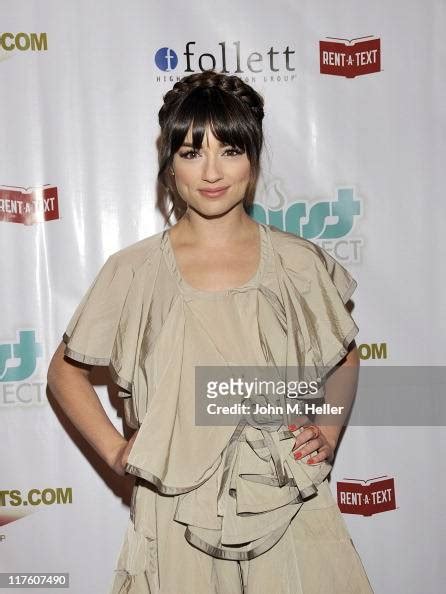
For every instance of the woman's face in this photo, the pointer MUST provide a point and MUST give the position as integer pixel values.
(213, 179)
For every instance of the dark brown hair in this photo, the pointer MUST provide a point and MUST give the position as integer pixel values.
(232, 109)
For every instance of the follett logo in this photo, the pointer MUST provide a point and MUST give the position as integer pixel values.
(368, 497)
(269, 62)
(350, 57)
(28, 205)
(166, 59)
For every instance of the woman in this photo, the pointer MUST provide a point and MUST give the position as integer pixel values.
(217, 507)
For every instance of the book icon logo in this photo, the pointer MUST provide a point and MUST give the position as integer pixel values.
(368, 497)
(28, 205)
(350, 57)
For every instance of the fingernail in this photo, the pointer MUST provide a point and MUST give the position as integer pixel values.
(292, 427)
(310, 461)
(298, 455)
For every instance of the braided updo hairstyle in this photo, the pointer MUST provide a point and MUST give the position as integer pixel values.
(232, 109)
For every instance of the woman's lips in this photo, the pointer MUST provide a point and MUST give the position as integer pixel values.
(211, 193)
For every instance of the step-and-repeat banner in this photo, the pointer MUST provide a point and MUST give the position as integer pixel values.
(355, 138)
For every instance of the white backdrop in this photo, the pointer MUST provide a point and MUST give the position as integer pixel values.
(353, 163)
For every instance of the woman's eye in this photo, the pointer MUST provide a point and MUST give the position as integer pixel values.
(233, 151)
(189, 154)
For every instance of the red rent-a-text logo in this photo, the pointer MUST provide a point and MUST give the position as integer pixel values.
(28, 205)
(350, 57)
(366, 497)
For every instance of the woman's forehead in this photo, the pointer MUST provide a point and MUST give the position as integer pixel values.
(208, 138)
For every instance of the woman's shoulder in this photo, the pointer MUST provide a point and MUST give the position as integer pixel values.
(293, 247)
(312, 262)
(138, 253)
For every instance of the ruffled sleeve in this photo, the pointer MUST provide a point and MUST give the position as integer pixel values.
(341, 278)
(314, 290)
(91, 331)
(333, 288)
(119, 319)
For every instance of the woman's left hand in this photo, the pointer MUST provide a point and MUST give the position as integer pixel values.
(311, 438)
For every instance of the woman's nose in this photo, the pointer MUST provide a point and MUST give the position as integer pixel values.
(211, 170)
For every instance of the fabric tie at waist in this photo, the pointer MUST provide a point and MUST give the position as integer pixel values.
(260, 489)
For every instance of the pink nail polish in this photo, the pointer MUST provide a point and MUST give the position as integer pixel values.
(297, 455)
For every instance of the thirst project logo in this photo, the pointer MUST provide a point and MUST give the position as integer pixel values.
(18, 368)
(329, 222)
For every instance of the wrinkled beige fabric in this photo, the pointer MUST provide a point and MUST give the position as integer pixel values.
(232, 501)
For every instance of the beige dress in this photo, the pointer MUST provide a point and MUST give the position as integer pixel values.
(221, 509)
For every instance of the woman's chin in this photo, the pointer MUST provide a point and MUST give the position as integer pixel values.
(215, 208)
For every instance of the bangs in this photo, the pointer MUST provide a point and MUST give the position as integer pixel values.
(229, 120)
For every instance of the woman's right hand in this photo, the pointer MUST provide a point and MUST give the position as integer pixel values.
(120, 456)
